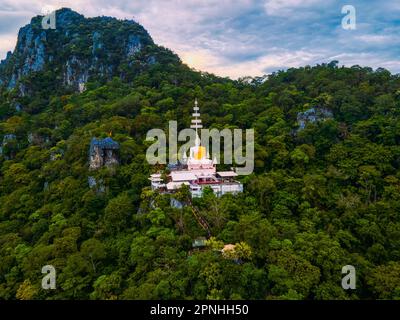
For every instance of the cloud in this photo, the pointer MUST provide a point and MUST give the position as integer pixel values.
(243, 37)
(377, 39)
(277, 59)
(6, 44)
(368, 60)
(12, 21)
(286, 7)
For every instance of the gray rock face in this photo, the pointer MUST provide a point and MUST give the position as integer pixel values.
(78, 50)
(31, 51)
(76, 72)
(13, 82)
(30, 137)
(36, 139)
(134, 45)
(151, 60)
(38, 54)
(22, 90)
(103, 153)
(176, 203)
(312, 115)
(99, 186)
(7, 139)
(97, 43)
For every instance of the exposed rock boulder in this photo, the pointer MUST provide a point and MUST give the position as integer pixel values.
(103, 153)
(312, 115)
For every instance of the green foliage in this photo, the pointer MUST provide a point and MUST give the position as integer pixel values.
(320, 198)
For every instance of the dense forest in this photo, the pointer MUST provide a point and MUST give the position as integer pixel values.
(323, 194)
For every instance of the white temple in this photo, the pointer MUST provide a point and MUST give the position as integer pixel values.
(197, 171)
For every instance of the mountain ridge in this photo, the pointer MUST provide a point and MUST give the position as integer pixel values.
(79, 49)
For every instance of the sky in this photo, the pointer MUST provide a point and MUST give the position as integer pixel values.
(238, 38)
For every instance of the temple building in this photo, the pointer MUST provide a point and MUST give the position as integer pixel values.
(197, 171)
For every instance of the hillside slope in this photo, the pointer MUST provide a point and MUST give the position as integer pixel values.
(79, 49)
(325, 192)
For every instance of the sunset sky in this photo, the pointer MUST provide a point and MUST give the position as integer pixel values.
(243, 37)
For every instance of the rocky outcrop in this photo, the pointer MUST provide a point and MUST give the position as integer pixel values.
(78, 50)
(37, 139)
(103, 153)
(134, 45)
(98, 186)
(18, 107)
(30, 55)
(76, 72)
(312, 115)
(8, 140)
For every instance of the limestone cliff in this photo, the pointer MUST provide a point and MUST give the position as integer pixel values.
(103, 153)
(79, 50)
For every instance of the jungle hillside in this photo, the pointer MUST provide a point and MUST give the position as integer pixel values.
(325, 191)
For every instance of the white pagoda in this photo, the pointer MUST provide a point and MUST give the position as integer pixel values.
(197, 171)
